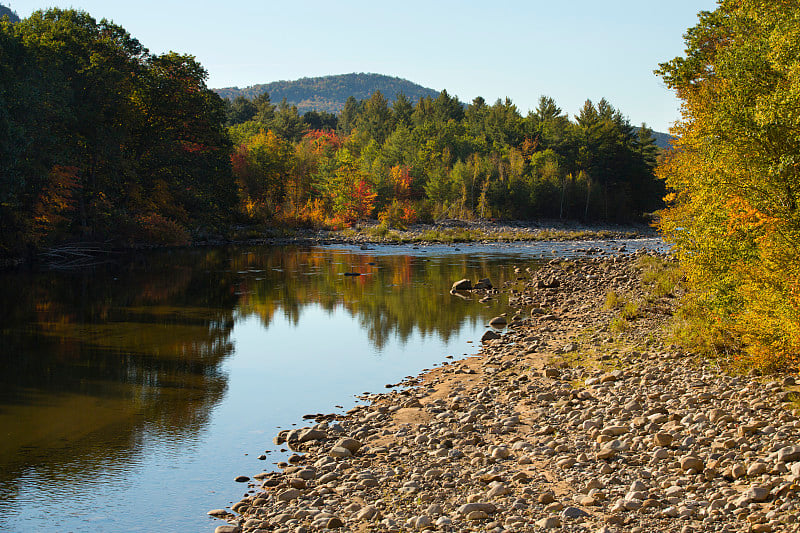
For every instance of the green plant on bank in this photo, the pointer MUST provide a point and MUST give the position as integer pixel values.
(380, 231)
(660, 277)
(591, 355)
(618, 325)
(630, 311)
(794, 399)
(614, 300)
(663, 278)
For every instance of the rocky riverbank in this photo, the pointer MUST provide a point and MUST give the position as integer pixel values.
(448, 231)
(579, 417)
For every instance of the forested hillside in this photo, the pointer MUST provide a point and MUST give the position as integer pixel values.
(329, 93)
(5, 11)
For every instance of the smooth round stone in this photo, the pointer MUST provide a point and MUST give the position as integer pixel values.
(551, 522)
(573, 512)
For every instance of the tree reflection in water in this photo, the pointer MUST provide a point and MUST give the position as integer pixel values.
(95, 365)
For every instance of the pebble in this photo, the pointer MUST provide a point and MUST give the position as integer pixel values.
(514, 439)
(551, 522)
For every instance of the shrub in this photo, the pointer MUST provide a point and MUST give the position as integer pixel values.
(156, 229)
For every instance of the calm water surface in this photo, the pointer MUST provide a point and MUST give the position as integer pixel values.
(132, 394)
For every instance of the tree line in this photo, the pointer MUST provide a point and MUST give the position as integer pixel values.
(437, 158)
(102, 140)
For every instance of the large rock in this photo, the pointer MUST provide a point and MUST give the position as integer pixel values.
(462, 285)
(490, 336)
(477, 506)
(789, 454)
(551, 522)
(310, 434)
(483, 284)
(351, 444)
(690, 462)
(662, 438)
(340, 453)
(753, 494)
(573, 512)
(368, 513)
(549, 283)
(498, 322)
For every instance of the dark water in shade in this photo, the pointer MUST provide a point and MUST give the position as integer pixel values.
(132, 394)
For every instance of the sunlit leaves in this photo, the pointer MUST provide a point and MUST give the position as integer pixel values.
(735, 173)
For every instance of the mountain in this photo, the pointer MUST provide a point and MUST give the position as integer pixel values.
(663, 140)
(6, 11)
(329, 93)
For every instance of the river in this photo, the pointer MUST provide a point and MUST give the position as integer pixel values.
(133, 393)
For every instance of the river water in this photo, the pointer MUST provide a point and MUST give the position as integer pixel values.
(133, 393)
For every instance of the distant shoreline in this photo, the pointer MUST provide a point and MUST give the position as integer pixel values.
(82, 254)
(454, 230)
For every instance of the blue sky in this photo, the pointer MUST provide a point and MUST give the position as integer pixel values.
(571, 50)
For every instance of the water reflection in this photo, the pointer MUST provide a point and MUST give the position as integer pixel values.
(94, 361)
(99, 367)
(392, 295)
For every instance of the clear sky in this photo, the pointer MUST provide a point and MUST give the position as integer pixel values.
(569, 49)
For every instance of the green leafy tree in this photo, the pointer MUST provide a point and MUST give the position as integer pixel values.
(402, 109)
(376, 121)
(262, 166)
(239, 110)
(349, 115)
(181, 148)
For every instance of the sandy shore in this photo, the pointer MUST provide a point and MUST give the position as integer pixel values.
(573, 419)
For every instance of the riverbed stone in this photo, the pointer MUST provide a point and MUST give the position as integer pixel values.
(228, 528)
(662, 438)
(288, 495)
(498, 322)
(520, 438)
(340, 452)
(490, 335)
(550, 522)
(788, 454)
(462, 285)
(690, 462)
(483, 284)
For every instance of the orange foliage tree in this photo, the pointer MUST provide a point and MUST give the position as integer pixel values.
(56, 202)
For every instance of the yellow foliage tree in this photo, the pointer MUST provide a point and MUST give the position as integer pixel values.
(262, 165)
(734, 174)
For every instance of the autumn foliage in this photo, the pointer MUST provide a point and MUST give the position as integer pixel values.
(101, 140)
(735, 178)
